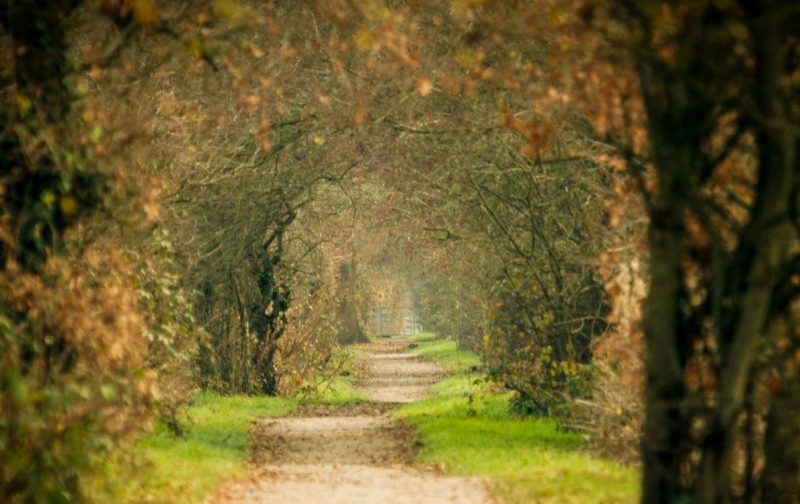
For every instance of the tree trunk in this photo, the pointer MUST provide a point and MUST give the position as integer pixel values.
(781, 477)
(665, 393)
(38, 32)
(778, 180)
(350, 330)
(676, 114)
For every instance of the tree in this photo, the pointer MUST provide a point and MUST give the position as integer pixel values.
(715, 278)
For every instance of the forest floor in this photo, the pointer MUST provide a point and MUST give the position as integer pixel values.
(353, 453)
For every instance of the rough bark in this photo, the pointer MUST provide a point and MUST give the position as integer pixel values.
(680, 422)
(665, 399)
(781, 477)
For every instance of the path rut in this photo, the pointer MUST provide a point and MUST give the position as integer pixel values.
(352, 453)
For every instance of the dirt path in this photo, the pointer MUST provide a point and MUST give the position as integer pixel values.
(353, 453)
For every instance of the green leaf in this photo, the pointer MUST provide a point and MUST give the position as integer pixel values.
(109, 392)
(96, 134)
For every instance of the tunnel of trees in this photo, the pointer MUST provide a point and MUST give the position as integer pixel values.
(601, 198)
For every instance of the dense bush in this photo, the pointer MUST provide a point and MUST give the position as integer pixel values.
(74, 377)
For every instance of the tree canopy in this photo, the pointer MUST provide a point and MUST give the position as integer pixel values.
(598, 197)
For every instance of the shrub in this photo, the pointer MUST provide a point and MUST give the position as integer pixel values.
(73, 376)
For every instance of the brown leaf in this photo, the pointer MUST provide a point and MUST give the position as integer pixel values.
(424, 86)
(360, 116)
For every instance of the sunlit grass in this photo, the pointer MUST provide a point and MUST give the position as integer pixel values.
(340, 387)
(338, 390)
(185, 470)
(167, 469)
(465, 427)
(445, 353)
(372, 337)
(423, 336)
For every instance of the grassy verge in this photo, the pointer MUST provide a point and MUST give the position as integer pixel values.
(445, 353)
(339, 390)
(464, 426)
(161, 468)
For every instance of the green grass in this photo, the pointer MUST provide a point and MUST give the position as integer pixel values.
(447, 355)
(423, 336)
(185, 470)
(339, 390)
(372, 338)
(464, 426)
(161, 468)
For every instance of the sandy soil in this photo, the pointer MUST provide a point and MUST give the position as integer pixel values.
(352, 453)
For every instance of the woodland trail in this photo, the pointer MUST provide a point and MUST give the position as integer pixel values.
(353, 453)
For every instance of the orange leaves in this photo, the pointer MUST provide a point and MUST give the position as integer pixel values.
(96, 312)
(774, 384)
(95, 72)
(696, 234)
(262, 136)
(616, 163)
(255, 51)
(251, 102)
(388, 36)
(482, 73)
(264, 127)
(289, 53)
(537, 133)
(84, 354)
(360, 116)
(264, 143)
(424, 86)
(150, 199)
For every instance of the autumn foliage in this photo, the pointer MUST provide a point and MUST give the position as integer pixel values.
(600, 198)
